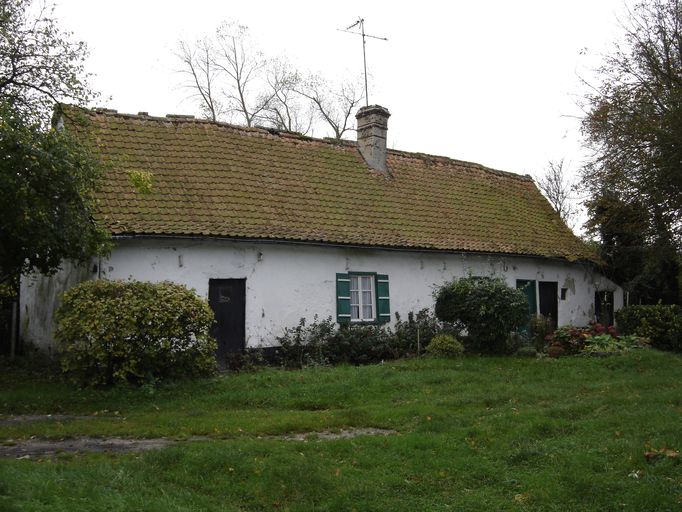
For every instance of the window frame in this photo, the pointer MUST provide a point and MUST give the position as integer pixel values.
(361, 305)
(382, 298)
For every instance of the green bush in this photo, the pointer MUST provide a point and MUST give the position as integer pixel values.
(662, 324)
(488, 309)
(322, 342)
(415, 333)
(444, 345)
(305, 344)
(608, 344)
(540, 328)
(362, 344)
(114, 331)
(526, 351)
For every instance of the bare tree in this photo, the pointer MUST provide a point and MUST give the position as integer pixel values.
(203, 76)
(288, 110)
(232, 79)
(558, 189)
(334, 106)
(244, 66)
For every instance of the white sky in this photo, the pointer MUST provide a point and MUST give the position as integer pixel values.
(494, 82)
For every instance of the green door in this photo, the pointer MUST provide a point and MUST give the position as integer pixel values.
(527, 286)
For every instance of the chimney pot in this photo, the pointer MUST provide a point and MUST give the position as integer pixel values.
(372, 128)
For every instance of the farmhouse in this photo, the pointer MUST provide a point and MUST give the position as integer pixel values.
(272, 227)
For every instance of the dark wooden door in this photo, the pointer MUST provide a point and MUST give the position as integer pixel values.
(549, 300)
(603, 307)
(227, 298)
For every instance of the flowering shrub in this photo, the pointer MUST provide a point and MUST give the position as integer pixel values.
(595, 338)
(137, 332)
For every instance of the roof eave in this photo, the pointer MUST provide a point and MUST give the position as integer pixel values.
(318, 243)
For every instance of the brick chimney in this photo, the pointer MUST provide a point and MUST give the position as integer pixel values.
(372, 128)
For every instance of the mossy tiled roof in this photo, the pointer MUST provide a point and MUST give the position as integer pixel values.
(218, 180)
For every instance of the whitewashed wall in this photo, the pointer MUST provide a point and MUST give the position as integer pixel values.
(285, 282)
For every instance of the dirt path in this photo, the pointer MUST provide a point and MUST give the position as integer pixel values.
(328, 435)
(29, 418)
(37, 448)
(41, 448)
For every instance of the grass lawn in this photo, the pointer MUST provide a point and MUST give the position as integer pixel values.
(472, 434)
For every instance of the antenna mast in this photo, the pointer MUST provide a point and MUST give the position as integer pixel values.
(361, 24)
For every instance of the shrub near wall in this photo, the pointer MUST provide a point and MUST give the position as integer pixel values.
(488, 309)
(323, 342)
(415, 333)
(662, 324)
(115, 331)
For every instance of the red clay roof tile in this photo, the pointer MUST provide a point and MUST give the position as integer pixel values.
(221, 180)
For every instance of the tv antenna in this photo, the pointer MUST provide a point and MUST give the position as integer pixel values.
(361, 25)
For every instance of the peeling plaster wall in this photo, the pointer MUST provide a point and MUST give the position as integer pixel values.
(39, 298)
(285, 282)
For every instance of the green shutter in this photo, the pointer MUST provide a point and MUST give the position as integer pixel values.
(383, 300)
(342, 298)
(528, 288)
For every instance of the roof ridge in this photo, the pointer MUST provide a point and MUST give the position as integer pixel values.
(182, 118)
(448, 160)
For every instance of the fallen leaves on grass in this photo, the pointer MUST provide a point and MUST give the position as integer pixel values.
(653, 455)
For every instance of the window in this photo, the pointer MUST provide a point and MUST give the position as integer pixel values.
(361, 298)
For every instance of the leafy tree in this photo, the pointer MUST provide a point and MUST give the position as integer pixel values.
(39, 64)
(46, 185)
(633, 125)
(644, 261)
(46, 177)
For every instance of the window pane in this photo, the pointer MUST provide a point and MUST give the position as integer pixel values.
(367, 298)
(355, 312)
(367, 313)
(366, 283)
(353, 282)
(354, 297)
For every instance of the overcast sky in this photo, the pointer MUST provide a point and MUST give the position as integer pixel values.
(494, 82)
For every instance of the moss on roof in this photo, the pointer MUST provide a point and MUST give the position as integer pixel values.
(221, 180)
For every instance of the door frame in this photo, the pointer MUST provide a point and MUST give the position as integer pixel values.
(223, 353)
